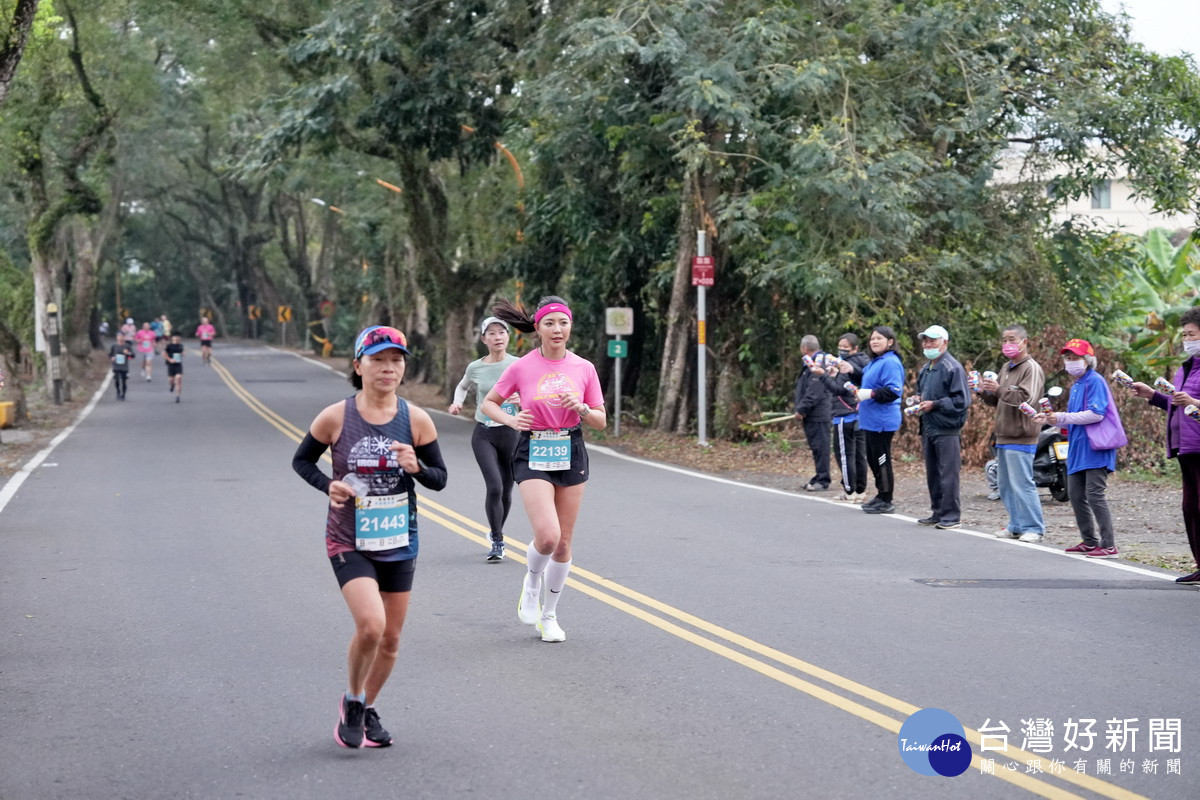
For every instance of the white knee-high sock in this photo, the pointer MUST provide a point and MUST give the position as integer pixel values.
(536, 561)
(556, 579)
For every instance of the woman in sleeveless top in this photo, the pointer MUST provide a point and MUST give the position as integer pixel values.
(560, 393)
(381, 444)
(492, 442)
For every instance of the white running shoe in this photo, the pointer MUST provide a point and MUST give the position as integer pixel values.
(529, 606)
(548, 627)
(1031, 536)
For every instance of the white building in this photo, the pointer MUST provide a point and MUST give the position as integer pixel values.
(1111, 203)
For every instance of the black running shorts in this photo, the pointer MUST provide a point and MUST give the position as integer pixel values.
(577, 474)
(392, 576)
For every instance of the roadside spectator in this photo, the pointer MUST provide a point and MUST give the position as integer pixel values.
(1020, 381)
(942, 384)
(1183, 435)
(879, 413)
(812, 407)
(849, 439)
(1093, 437)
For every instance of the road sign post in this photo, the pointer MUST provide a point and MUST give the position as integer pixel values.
(702, 277)
(618, 322)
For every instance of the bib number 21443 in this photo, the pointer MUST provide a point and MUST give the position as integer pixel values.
(549, 450)
(381, 523)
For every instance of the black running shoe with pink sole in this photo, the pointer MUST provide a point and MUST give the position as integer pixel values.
(376, 734)
(349, 730)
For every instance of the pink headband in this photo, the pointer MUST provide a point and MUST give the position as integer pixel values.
(550, 308)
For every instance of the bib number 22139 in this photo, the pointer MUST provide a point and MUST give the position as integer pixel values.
(549, 450)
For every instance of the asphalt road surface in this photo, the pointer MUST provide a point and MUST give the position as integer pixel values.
(171, 628)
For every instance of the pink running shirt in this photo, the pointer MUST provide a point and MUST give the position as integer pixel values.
(145, 341)
(539, 380)
(205, 333)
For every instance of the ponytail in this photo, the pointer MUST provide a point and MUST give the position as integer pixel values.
(515, 314)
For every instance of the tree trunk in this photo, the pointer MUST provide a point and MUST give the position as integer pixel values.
(14, 42)
(671, 407)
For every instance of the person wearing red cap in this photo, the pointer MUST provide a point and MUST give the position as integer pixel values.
(1094, 433)
(1183, 435)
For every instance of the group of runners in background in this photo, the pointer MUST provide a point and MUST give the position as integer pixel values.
(153, 338)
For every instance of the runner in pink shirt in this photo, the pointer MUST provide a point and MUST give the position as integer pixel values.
(205, 333)
(145, 347)
(560, 393)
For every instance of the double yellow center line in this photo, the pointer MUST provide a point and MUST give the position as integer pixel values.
(722, 642)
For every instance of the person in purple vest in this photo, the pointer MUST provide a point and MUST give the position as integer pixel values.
(381, 446)
(1183, 435)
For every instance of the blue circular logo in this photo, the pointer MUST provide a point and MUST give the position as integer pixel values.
(933, 742)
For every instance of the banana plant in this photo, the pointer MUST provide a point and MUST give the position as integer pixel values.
(1166, 284)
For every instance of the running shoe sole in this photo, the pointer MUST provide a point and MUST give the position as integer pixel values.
(559, 637)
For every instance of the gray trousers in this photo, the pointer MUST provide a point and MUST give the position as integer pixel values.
(1086, 489)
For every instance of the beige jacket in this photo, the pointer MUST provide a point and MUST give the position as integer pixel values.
(1021, 382)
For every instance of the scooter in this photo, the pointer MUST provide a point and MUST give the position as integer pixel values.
(1050, 458)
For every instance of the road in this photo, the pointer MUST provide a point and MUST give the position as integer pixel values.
(171, 629)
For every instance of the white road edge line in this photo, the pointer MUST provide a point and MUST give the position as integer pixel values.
(1167, 576)
(14, 483)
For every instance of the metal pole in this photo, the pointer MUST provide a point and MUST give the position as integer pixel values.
(52, 330)
(617, 368)
(701, 343)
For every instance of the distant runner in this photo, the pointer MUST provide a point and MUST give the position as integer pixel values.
(145, 348)
(120, 354)
(205, 333)
(174, 354)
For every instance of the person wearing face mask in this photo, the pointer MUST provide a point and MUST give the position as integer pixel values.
(942, 385)
(812, 407)
(1020, 381)
(879, 413)
(849, 439)
(1183, 435)
(1093, 425)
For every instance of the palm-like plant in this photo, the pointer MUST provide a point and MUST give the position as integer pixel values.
(1166, 283)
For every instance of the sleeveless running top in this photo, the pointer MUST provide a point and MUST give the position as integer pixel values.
(362, 448)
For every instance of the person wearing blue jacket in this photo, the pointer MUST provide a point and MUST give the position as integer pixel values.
(879, 413)
(1087, 467)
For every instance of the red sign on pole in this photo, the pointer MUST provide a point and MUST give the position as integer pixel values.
(702, 270)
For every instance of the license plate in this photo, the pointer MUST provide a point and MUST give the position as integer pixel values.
(1060, 450)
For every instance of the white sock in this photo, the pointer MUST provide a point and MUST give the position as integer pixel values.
(536, 561)
(556, 579)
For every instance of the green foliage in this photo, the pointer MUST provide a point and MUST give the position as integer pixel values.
(1165, 282)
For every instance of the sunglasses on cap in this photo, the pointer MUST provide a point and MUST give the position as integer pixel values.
(375, 340)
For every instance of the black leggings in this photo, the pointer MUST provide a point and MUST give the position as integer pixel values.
(119, 380)
(494, 448)
(879, 457)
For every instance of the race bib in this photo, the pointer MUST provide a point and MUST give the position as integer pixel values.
(549, 451)
(120, 359)
(509, 408)
(381, 523)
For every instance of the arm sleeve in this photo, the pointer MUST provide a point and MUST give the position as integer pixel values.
(804, 394)
(836, 383)
(1160, 400)
(1085, 417)
(433, 469)
(304, 462)
(593, 395)
(460, 391)
(884, 394)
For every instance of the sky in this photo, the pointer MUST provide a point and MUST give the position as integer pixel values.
(1165, 26)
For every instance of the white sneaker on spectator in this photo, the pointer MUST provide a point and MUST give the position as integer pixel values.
(1005, 533)
(1031, 537)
